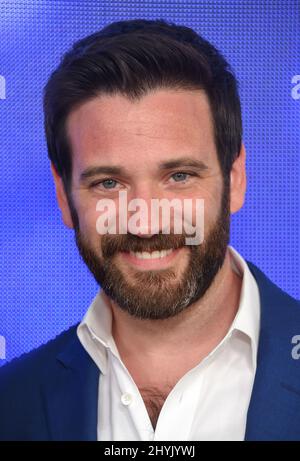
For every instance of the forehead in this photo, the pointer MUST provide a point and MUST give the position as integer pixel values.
(165, 121)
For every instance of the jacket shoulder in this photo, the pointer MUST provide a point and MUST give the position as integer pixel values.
(280, 313)
(28, 368)
(37, 356)
(21, 383)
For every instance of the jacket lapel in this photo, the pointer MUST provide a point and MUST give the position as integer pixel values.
(71, 395)
(274, 410)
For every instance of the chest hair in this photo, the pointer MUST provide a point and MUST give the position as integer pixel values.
(154, 399)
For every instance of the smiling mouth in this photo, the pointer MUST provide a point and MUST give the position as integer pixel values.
(150, 260)
(152, 254)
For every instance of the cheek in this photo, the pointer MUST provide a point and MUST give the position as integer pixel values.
(88, 216)
(211, 208)
(206, 204)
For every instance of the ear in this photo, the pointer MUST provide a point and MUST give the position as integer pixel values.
(62, 198)
(238, 181)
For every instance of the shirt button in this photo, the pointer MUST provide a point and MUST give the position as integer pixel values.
(126, 398)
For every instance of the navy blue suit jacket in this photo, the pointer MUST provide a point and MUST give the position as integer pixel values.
(51, 393)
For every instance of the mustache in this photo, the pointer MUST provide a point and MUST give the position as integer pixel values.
(112, 244)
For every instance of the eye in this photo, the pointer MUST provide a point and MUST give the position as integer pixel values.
(106, 183)
(180, 176)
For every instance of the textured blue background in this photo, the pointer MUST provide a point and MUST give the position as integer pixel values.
(44, 285)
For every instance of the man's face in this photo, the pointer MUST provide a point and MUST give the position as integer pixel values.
(149, 149)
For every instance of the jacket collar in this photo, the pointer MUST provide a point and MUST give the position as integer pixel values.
(71, 396)
(274, 408)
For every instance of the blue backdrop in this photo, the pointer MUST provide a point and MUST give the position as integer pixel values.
(44, 285)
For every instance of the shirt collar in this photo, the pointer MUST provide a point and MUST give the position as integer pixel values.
(94, 331)
(247, 319)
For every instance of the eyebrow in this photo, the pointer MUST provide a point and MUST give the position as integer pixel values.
(184, 161)
(119, 170)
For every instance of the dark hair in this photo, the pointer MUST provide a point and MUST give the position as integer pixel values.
(132, 58)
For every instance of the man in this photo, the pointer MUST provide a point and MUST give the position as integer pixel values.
(183, 342)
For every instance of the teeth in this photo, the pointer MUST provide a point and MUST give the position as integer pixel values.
(152, 255)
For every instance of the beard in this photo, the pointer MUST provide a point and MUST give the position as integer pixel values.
(157, 294)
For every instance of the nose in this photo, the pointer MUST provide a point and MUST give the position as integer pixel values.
(141, 220)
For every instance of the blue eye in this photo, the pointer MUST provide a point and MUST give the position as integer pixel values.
(180, 176)
(109, 183)
(105, 183)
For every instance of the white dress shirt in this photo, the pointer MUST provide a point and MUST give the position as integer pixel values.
(210, 402)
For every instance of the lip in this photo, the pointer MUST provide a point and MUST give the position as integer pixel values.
(147, 264)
